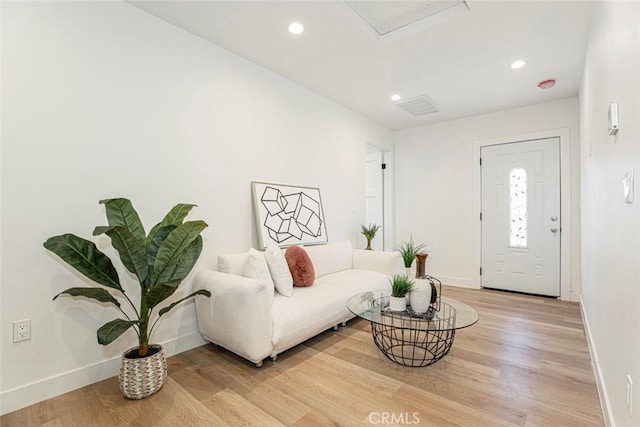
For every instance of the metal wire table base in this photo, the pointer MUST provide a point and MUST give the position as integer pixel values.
(412, 342)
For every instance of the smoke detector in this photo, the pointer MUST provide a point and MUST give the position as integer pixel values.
(547, 84)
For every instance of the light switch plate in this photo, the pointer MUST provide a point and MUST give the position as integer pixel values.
(627, 183)
(614, 124)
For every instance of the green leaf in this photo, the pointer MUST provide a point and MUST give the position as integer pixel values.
(112, 330)
(132, 253)
(97, 294)
(121, 212)
(168, 308)
(154, 245)
(162, 291)
(177, 214)
(177, 253)
(184, 264)
(175, 217)
(158, 294)
(85, 258)
(152, 251)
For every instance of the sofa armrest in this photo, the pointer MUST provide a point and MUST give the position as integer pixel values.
(385, 262)
(238, 315)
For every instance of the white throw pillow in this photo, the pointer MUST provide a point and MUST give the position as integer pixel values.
(256, 268)
(279, 270)
(232, 263)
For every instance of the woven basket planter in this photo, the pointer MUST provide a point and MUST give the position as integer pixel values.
(140, 378)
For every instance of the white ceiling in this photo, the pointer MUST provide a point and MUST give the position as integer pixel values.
(460, 60)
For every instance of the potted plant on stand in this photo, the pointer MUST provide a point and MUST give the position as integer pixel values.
(401, 285)
(409, 250)
(160, 261)
(369, 233)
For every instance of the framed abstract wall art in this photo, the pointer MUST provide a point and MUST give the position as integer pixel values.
(288, 214)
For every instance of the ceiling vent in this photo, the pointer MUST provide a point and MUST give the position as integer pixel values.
(419, 106)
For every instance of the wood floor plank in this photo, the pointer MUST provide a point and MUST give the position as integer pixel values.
(432, 405)
(525, 363)
(280, 405)
(315, 419)
(234, 410)
(171, 406)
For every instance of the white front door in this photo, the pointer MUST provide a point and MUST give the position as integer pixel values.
(521, 216)
(374, 196)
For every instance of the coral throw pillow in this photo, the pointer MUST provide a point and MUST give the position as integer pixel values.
(300, 266)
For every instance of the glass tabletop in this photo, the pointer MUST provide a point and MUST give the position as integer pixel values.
(374, 307)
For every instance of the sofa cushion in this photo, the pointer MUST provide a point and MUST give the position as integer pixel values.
(300, 266)
(256, 268)
(317, 308)
(279, 270)
(354, 281)
(330, 258)
(388, 263)
(232, 263)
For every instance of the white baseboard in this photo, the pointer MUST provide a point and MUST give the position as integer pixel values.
(458, 282)
(20, 397)
(607, 414)
(572, 297)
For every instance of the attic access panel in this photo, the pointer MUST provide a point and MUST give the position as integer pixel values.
(384, 17)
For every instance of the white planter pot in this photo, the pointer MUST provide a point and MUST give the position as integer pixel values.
(410, 272)
(397, 304)
(420, 296)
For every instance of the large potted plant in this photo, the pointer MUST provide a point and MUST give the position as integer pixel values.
(160, 261)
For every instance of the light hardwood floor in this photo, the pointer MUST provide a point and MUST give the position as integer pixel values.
(525, 363)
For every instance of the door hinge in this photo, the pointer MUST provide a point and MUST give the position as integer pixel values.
(384, 166)
(480, 161)
(480, 216)
(481, 271)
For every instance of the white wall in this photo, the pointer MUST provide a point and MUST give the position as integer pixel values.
(103, 100)
(437, 180)
(611, 228)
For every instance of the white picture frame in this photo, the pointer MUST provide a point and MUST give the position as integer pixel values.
(288, 215)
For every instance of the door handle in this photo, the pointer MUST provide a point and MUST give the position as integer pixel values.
(554, 218)
(554, 230)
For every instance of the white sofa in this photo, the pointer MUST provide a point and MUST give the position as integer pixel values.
(247, 317)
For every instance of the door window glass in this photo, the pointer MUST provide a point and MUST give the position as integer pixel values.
(518, 208)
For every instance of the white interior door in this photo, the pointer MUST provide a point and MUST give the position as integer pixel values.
(521, 216)
(374, 195)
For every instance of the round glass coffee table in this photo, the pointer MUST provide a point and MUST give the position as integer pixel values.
(408, 338)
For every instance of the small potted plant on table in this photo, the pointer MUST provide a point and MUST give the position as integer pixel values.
(369, 233)
(401, 285)
(409, 250)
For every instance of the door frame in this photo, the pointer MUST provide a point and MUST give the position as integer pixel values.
(566, 293)
(388, 222)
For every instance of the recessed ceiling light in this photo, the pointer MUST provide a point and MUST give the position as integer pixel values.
(296, 28)
(396, 97)
(518, 64)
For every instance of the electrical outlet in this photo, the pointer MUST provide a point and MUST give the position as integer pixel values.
(21, 330)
